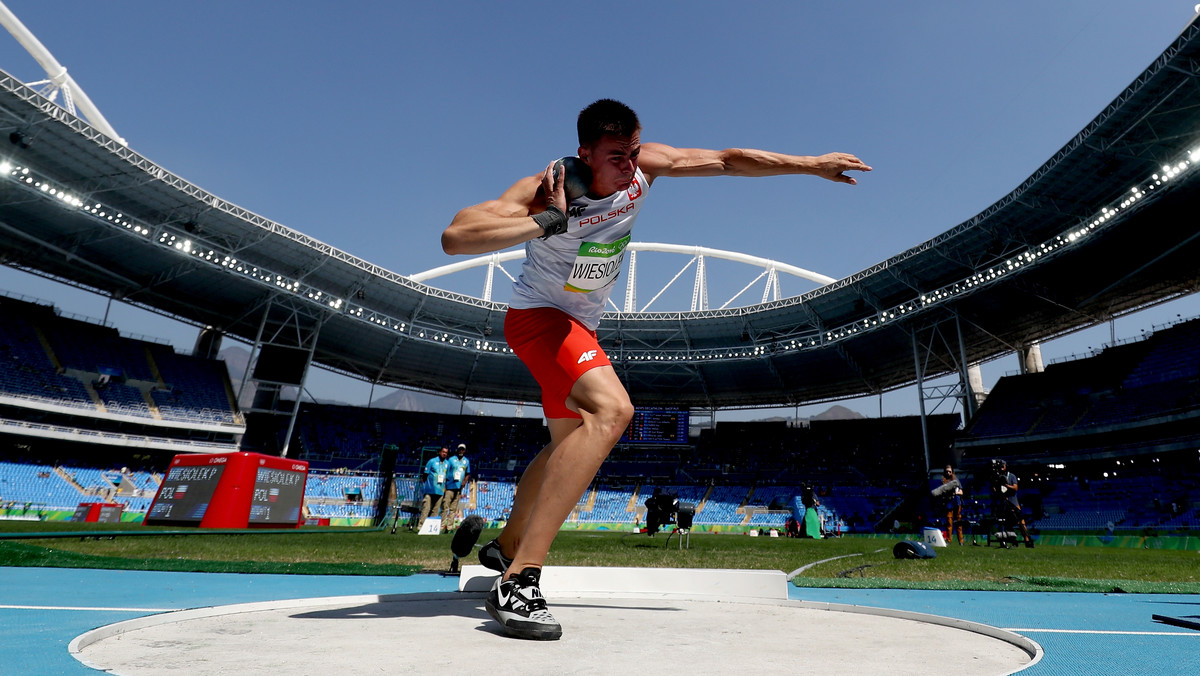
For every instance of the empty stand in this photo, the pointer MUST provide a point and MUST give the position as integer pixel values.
(90, 370)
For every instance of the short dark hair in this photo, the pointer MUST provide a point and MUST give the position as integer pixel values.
(606, 117)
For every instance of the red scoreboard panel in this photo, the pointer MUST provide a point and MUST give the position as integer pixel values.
(102, 512)
(230, 490)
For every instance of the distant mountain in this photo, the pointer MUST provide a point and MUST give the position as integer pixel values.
(408, 400)
(835, 412)
(235, 359)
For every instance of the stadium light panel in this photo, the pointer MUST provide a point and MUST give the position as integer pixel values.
(51, 190)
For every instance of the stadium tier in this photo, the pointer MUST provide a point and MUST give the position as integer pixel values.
(1155, 378)
(334, 436)
(71, 373)
(1158, 498)
(866, 473)
(36, 487)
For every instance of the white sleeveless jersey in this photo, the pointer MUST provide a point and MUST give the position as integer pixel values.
(575, 271)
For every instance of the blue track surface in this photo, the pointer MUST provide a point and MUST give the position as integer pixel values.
(43, 609)
(1081, 633)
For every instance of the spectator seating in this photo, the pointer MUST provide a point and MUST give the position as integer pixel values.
(81, 365)
(493, 500)
(721, 506)
(1153, 378)
(52, 488)
(611, 505)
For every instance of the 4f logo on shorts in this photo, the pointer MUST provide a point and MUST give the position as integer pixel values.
(586, 356)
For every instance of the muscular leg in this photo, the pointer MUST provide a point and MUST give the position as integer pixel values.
(557, 477)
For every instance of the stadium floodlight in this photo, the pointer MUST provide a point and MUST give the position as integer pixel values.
(1030, 255)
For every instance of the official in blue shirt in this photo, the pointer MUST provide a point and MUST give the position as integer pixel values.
(457, 476)
(434, 486)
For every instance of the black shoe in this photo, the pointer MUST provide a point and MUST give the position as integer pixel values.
(1029, 544)
(490, 557)
(518, 605)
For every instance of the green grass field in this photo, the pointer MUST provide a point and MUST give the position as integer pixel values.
(867, 562)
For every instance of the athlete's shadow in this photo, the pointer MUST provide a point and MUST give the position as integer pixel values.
(495, 628)
(394, 606)
(438, 604)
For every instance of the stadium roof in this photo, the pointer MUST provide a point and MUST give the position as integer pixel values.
(1106, 226)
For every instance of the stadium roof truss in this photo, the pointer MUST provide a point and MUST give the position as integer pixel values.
(1106, 226)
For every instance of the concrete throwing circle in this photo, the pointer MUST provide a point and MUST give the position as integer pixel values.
(437, 633)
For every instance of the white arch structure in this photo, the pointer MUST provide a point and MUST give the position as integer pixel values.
(769, 274)
(57, 77)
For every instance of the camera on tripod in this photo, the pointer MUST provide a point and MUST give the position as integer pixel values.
(663, 508)
(998, 476)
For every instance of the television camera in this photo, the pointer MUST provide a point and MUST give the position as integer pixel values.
(663, 508)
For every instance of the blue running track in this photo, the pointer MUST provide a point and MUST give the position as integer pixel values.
(43, 609)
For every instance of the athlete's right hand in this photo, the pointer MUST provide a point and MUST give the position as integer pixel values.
(552, 188)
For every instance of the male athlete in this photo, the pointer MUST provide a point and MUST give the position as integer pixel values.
(573, 254)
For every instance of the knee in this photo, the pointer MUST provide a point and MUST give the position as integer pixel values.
(603, 402)
(625, 414)
(614, 416)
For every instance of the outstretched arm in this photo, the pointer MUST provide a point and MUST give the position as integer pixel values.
(501, 223)
(663, 160)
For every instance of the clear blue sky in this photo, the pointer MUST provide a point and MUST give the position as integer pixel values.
(367, 125)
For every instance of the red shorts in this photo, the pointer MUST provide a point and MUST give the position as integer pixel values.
(556, 349)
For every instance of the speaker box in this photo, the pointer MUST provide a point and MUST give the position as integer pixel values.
(909, 549)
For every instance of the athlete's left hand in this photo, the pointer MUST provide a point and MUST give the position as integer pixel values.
(834, 165)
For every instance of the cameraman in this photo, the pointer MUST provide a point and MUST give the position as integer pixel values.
(1004, 498)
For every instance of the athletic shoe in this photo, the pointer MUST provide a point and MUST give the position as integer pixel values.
(518, 605)
(490, 557)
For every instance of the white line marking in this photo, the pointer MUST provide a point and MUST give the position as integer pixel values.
(1097, 631)
(121, 610)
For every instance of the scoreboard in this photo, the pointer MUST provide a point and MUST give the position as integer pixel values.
(187, 489)
(102, 512)
(278, 494)
(657, 426)
(230, 490)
